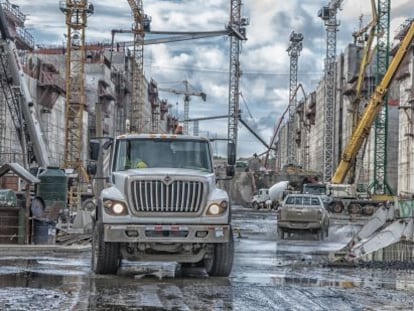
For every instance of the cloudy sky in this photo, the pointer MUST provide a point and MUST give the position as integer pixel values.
(204, 63)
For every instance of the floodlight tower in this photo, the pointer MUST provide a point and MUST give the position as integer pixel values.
(293, 50)
(328, 15)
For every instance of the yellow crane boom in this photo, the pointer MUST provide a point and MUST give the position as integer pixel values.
(374, 106)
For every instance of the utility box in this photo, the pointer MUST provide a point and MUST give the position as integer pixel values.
(53, 191)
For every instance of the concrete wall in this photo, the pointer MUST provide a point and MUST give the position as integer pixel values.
(406, 134)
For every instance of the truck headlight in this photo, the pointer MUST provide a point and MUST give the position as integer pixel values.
(216, 209)
(115, 208)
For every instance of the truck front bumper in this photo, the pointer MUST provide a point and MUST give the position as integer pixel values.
(299, 225)
(124, 233)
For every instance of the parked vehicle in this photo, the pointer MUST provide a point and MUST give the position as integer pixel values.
(162, 204)
(303, 213)
(344, 198)
(272, 197)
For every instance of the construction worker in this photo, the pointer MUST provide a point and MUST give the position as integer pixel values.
(179, 130)
(141, 164)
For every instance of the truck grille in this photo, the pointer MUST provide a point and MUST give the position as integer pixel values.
(175, 197)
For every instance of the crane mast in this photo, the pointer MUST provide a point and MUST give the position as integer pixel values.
(137, 72)
(328, 15)
(293, 50)
(187, 93)
(237, 25)
(380, 185)
(76, 21)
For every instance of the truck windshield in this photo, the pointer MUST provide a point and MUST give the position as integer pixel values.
(144, 153)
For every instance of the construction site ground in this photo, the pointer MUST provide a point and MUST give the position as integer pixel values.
(268, 274)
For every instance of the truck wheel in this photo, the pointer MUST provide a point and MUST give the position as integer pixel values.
(319, 234)
(105, 256)
(336, 207)
(221, 261)
(327, 231)
(368, 210)
(354, 209)
(255, 205)
(280, 233)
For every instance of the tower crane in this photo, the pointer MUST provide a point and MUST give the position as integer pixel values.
(380, 185)
(187, 93)
(328, 15)
(293, 50)
(137, 72)
(237, 25)
(76, 12)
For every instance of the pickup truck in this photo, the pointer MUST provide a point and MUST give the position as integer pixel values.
(303, 213)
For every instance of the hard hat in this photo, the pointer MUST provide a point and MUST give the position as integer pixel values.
(141, 164)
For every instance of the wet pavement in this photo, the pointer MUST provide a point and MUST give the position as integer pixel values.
(267, 275)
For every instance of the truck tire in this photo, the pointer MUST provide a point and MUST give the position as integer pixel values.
(320, 234)
(336, 207)
(105, 256)
(255, 205)
(368, 210)
(280, 233)
(354, 209)
(221, 261)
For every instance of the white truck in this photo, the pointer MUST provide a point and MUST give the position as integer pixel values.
(162, 204)
(343, 198)
(272, 197)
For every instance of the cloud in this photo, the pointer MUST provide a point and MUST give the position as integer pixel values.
(264, 61)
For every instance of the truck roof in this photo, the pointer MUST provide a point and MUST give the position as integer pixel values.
(162, 136)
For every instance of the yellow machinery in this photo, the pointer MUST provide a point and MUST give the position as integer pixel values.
(363, 127)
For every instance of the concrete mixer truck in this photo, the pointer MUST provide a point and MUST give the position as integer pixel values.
(270, 197)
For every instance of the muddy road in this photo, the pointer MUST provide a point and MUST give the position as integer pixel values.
(267, 275)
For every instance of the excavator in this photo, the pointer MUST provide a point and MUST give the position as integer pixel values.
(385, 228)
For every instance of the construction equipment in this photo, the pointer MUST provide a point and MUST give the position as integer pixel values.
(168, 210)
(376, 233)
(294, 51)
(362, 130)
(328, 15)
(277, 127)
(187, 93)
(137, 99)
(379, 185)
(365, 61)
(76, 12)
(20, 103)
(238, 26)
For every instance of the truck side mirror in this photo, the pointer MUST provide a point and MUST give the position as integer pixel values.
(94, 147)
(231, 154)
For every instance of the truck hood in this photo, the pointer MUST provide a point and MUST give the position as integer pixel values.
(161, 171)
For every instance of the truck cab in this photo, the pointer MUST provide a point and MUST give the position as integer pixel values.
(260, 197)
(162, 204)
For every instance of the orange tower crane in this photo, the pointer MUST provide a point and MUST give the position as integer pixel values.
(76, 12)
(137, 98)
